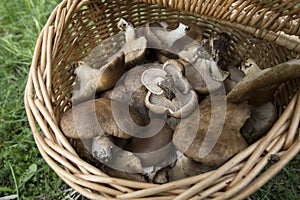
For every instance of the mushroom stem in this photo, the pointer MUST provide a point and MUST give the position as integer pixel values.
(264, 82)
(172, 35)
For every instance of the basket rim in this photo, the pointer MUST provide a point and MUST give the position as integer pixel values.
(80, 175)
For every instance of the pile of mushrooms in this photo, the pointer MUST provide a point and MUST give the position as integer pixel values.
(145, 114)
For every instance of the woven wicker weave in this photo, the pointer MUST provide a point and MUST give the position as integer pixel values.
(76, 27)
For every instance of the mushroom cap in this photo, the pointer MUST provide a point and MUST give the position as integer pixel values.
(169, 91)
(111, 72)
(127, 162)
(261, 119)
(175, 69)
(154, 149)
(135, 51)
(259, 87)
(94, 118)
(193, 53)
(202, 72)
(130, 89)
(179, 107)
(161, 39)
(228, 143)
(185, 167)
(96, 80)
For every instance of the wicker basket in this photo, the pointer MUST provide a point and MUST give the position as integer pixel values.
(76, 27)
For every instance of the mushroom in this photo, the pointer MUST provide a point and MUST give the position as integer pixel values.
(130, 89)
(139, 177)
(152, 80)
(249, 66)
(95, 118)
(96, 80)
(161, 40)
(262, 117)
(194, 35)
(169, 91)
(102, 147)
(259, 87)
(134, 48)
(160, 37)
(152, 150)
(212, 144)
(202, 72)
(236, 76)
(185, 167)
(105, 151)
(161, 176)
(219, 47)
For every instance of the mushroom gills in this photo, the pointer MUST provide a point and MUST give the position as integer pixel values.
(175, 96)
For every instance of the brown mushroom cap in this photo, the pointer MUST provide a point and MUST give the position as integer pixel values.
(97, 80)
(261, 119)
(127, 162)
(259, 87)
(130, 89)
(236, 76)
(94, 118)
(154, 149)
(228, 143)
(161, 39)
(123, 175)
(111, 72)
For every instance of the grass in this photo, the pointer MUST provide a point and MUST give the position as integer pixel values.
(24, 174)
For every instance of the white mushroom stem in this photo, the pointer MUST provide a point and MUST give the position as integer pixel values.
(87, 74)
(134, 48)
(128, 28)
(170, 37)
(88, 78)
(249, 67)
(102, 149)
